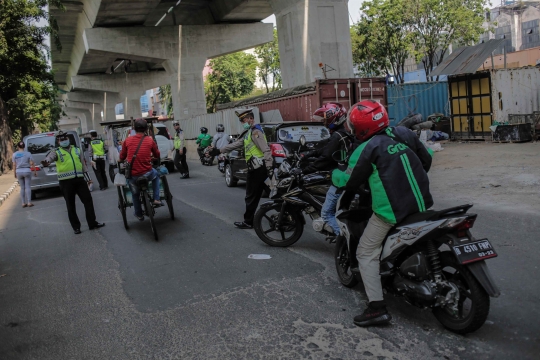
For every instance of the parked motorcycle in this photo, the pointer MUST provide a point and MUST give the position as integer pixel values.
(280, 222)
(430, 259)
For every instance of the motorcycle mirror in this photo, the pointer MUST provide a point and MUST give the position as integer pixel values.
(302, 140)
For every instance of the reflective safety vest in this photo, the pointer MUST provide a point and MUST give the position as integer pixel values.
(68, 164)
(250, 148)
(97, 147)
(178, 142)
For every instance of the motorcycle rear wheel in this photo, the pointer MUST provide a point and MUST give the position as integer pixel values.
(343, 265)
(473, 298)
(265, 220)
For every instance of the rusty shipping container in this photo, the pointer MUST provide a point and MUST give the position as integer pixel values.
(299, 103)
(478, 100)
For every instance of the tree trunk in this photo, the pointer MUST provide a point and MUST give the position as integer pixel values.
(6, 142)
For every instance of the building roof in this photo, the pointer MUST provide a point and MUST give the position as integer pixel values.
(467, 59)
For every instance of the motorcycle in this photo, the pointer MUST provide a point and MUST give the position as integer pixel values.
(221, 163)
(292, 195)
(430, 259)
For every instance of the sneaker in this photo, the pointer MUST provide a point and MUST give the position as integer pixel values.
(375, 314)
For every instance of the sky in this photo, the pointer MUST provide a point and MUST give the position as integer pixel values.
(354, 12)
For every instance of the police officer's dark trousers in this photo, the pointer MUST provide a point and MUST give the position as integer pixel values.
(100, 173)
(180, 161)
(78, 186)
(254, 188)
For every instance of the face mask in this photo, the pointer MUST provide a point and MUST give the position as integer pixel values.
(247, 126)
(64, 143)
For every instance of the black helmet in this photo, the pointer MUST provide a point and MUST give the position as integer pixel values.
(140, 125)
(204, 130)
(220, 128)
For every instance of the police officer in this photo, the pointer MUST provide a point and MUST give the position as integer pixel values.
(72, 173)
(259, 161)
(97, 151)
(180, 151)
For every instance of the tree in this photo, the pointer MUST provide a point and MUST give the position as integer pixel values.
(269, 65)
(383, 37)
(232, 76)
(27, 86)
(437, 24)
(165, 98)
(367, 60)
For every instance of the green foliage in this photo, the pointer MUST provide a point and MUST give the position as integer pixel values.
(390, 31)
(26, 82)
(382, 38)
(165, 98)
(232, 76)
(269, 65)
(438, 24)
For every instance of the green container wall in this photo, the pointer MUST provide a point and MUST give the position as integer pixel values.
(424, 98)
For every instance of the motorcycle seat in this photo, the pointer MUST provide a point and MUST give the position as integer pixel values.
(435, 214)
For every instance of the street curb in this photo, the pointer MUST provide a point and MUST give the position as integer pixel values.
(5, 195)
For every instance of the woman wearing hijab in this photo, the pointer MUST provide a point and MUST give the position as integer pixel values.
(22, 166)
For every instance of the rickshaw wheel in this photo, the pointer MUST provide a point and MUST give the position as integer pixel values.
(168, 196)
(122, 207)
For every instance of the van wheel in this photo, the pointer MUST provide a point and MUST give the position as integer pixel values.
(33, 195)
(230, 180)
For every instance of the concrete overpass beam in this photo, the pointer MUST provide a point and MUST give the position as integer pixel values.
(83, 114)
(183, 51)
(311, 32)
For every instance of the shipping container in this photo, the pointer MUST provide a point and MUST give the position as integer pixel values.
(299, 103)
(478, 100)
(422, 98)
(228, 118)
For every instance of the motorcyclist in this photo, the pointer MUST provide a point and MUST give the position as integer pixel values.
(395, 163)
(221, 138)
(204, 140)
(334, 116)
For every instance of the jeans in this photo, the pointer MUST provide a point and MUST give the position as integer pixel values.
(153, 176)
(368, 253)
(25, 178)
(328, 211)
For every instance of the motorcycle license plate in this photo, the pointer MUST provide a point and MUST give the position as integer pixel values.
(474, 251)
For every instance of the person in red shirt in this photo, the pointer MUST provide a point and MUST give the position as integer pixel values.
(142, 165)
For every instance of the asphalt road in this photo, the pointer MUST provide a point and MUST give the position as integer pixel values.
(117, 294)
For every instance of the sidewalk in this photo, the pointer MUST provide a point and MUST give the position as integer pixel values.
(7, 186)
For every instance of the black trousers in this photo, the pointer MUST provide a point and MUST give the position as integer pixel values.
(111, 172)
(180, 162)
(200, 151)
(254, 188)
(100, 173)
(78, 186)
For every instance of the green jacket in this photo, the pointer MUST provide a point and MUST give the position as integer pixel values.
(204, 140)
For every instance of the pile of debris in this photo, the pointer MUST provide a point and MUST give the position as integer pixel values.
(430, 131)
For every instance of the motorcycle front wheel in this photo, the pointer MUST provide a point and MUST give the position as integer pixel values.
(473, 304)
(343, 264)
(267, 229)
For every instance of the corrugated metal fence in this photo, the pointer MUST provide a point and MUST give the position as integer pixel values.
(192, 126)
(424, 98)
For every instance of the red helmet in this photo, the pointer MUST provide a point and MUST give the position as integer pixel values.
(333, 115)
(367, 118)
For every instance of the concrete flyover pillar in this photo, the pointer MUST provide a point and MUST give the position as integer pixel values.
(97, 99)
(182, 51)
(95, 111)
(109, 108)
(132, 106)
(311, 32)
(83, 114)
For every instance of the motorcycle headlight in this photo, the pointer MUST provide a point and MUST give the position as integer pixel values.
(284, 183)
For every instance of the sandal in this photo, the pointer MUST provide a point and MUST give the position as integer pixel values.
(141, 218)
(24, 205)
(30, 204)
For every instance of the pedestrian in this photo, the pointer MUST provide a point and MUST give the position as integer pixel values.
(259, 160)
(204, 140)
(73, 180)
(96, 152)
(23, 164)
(180, 151)
(139, 150)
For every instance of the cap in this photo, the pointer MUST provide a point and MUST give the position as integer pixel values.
(242, 114)
(176, 123)
(93, 131)
(61, 134)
